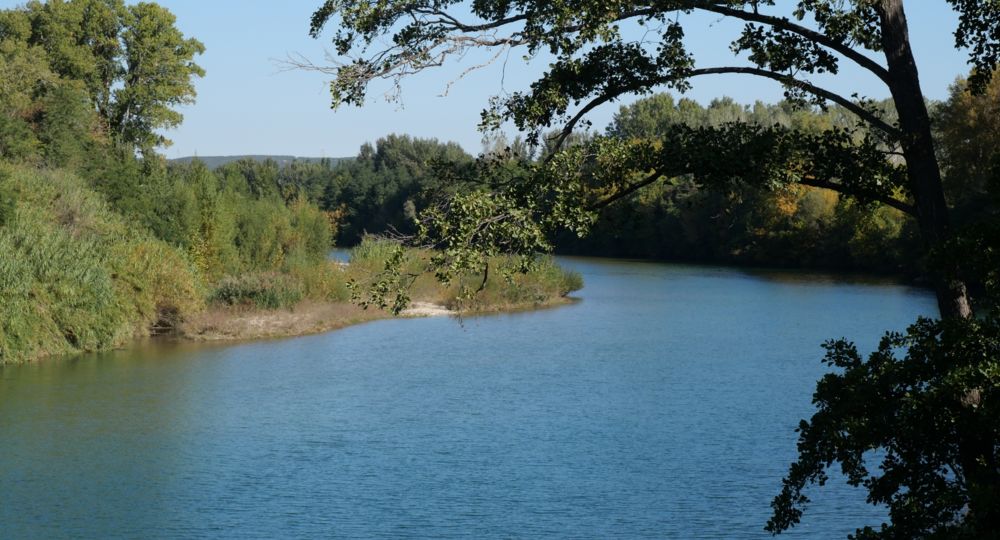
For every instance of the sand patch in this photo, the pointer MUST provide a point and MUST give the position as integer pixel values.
(427, 309)
(226, 324)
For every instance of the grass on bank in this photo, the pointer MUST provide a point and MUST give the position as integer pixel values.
(506, 289)
(77, 276)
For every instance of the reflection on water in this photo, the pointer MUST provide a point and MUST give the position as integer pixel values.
(661, 405)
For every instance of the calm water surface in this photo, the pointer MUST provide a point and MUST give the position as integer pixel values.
(661, 405)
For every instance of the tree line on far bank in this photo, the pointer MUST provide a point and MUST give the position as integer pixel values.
(793, 226)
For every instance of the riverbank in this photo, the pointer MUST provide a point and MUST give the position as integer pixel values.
(339, 426)
(244, 317)
(221, 324)
(78, 276)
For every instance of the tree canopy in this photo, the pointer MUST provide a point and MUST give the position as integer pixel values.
(595, 62)
(932, 414)
(129, 63)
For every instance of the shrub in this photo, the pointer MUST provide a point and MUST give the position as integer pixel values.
(266, 290)
(321, 280)
(75, 276)
(543, 281)
(506, 286)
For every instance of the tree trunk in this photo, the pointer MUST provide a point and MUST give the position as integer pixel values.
(923, 173)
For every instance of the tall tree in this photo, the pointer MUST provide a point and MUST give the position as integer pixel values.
(158, 72)
(969, 133)
(595, 62)
(135, 64)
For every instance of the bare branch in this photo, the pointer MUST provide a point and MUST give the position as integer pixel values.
(470, 69)
(567, 130)
(458, 25)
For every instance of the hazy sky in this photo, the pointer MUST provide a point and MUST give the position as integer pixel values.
(247, 105)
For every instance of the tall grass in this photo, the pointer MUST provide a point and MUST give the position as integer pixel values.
(265, 290)
(75, 276)
(321, 279)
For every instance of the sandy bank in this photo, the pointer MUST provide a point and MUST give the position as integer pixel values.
(235, 324)
(427, 309)
(229, 324)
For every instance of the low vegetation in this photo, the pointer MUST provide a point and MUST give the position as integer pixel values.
(76, 276)
(512, 285)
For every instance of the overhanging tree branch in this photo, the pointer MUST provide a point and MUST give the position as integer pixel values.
(630, 189)
(865, 115)
(806, 180)
(782, 23)
(839, 188)
(784, 79)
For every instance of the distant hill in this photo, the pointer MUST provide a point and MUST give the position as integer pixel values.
(282, 161)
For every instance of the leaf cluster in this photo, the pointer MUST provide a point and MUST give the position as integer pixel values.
(919, 432)
(595, 61)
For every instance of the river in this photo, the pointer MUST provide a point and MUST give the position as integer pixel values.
(661, 405)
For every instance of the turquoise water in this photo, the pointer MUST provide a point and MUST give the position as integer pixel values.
(661, 405)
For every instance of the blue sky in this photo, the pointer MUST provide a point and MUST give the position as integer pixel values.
(247, 105)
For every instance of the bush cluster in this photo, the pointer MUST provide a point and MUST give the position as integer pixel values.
(506, 286)
(268, 290)
(76, 276)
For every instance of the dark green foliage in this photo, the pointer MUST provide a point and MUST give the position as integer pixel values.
(68, 128)
(374, 188)
(968, 134)
(920, 433)
(793, 226)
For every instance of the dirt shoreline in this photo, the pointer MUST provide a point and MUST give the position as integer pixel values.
(234, 324)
